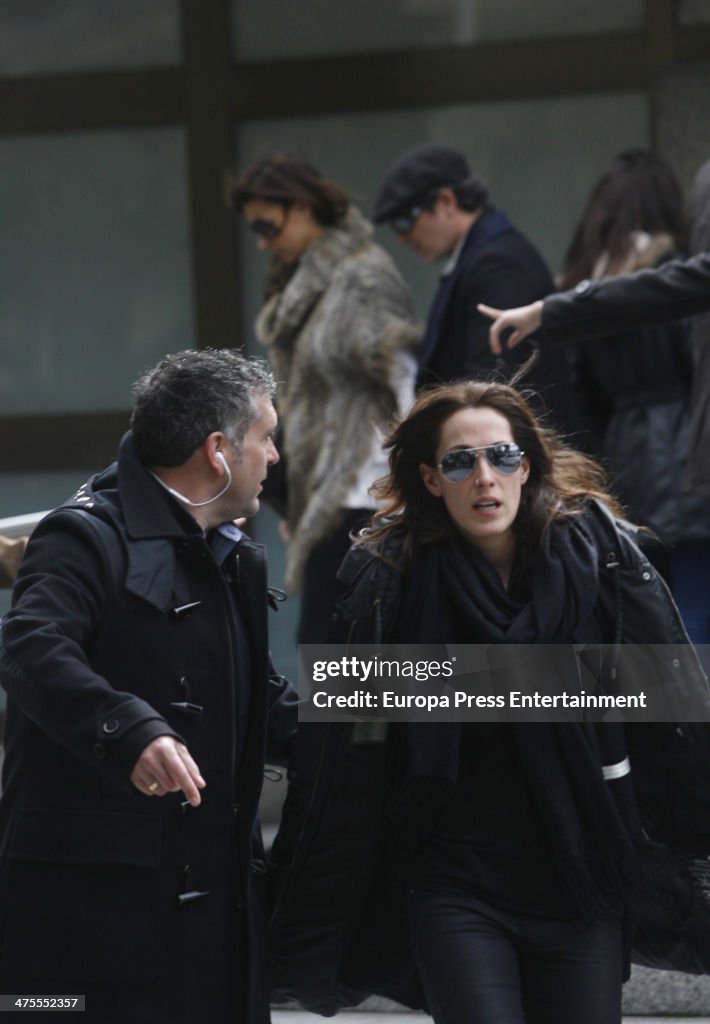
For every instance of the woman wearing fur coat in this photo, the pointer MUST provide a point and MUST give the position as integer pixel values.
(339, 329)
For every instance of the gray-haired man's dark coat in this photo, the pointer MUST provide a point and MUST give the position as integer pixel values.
(122, 630)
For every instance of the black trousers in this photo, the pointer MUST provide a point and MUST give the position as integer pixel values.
(321, 589)
(480, 965)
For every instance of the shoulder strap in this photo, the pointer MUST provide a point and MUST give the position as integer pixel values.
(107, 535)
(615, 537)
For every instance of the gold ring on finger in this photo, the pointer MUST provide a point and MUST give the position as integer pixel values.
(153, 786)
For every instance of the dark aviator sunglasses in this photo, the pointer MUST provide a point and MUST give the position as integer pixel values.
(265, 228)
(504, 457)
(403, 223)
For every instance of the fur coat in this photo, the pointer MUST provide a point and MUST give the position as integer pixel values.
(333, 335)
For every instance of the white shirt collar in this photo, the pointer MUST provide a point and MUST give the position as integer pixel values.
(231, 531)
(450, 265)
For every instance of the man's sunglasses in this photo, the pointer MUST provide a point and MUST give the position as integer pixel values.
(265, 228)
(503, 457)
(403, 223)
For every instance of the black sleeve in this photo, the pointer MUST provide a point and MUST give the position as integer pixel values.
(45, 668)
(677, 289)
(283, 704)
(617, 771)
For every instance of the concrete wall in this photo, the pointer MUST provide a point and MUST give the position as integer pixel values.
(683, 119)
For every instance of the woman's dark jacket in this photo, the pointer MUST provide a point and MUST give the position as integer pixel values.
(673, 291)
(121, 632)
(339, 930)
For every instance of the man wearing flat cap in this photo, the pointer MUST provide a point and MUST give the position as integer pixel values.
(435, 206)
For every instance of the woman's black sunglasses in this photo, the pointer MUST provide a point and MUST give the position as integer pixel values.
(265, 228)
(503, 457)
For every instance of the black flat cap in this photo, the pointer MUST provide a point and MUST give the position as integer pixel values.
(414, 174)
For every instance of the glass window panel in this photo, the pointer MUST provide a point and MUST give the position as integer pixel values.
(23, 493)
(44, 36)
(682, 123)
(94, 271)
(693, 12)
(271, 28)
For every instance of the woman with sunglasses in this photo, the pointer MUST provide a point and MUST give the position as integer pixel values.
(339, 330)
(480, 869)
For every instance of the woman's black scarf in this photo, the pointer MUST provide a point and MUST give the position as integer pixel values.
(457, 596)
(454, 595)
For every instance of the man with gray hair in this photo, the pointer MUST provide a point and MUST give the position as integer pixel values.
(141, 704)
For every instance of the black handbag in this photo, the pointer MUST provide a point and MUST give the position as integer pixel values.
(672, 916)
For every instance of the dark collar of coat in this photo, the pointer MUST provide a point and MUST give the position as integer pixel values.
(489, 225)
(148, 521)
(148, 510)
(152, 524)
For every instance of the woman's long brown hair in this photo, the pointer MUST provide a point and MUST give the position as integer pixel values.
(560, 483)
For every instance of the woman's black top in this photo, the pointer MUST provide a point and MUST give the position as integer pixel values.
(487, 840)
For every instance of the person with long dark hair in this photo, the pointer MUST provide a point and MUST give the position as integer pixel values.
(635, 385)
(691, 585)
(632, 219)
(483, 870)
(339, 330)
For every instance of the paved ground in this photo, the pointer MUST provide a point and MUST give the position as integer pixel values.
(650, 997)
(365, 1017)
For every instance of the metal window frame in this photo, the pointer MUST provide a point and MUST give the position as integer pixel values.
(209, 95)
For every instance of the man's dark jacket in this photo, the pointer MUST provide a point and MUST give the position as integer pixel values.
(122, 630)
(499, 266)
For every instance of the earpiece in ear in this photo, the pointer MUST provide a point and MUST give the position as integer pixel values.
(220, 455)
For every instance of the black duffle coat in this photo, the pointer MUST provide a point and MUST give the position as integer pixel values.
(122, 630)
